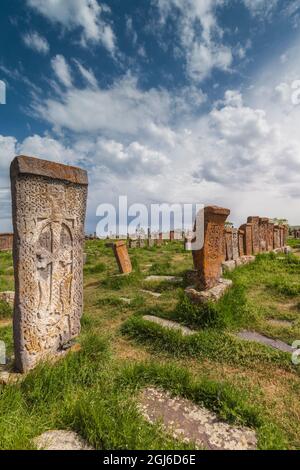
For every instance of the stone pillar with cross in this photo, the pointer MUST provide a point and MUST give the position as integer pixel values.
(49, 206)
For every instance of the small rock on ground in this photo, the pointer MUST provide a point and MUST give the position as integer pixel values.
(171, 325)
(273, 343)
(194, 424)
(125, 300)
(60, 440)
(154, 294)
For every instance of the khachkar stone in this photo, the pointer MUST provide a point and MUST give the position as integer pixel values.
(228, 243)
(235, 244)
(49, 206)
(208, 260)
(172, 235)
(276, 237)
(254, 221)
(248, 243)
(241, 235)
(270, 236)
(6, 241)
(122, 257)
(263, 233)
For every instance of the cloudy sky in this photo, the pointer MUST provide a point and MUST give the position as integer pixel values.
(171, 101)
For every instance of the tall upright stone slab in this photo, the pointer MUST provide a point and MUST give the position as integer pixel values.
(270, 236)
(122, 257)
(172, 235)
(208, 260)
(263, 234)
(49, 206)
(241, 235)
(235, 244)
(254, 221)
(276, 237)
(228, 238)
(248, 243)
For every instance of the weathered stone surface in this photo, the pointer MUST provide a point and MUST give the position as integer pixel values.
(8, 297)
(60, 440)
(228, 244)
(171, 325)
(208, 260)
(263, 234)
(254, 221)
(194, 424)
(277, 242)
(6, 241)
(273, 343)
(210, 295)
(228, 266)
(49, 205)
(172, 235)
(248, 243)
(270, 236)
(241, 235)
(122, 257)
(246, 260)
(235, 244)
(163, 279)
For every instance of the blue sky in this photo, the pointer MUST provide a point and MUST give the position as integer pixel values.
(161, 100)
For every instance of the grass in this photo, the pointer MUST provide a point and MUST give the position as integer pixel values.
(95, 391)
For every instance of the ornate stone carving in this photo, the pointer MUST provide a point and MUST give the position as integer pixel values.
(208, 260)
(49, 205)
(255, 234)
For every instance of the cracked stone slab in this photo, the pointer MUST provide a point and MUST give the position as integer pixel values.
(171, 325)
(163, 279)
(193, 423)
(60, 440)
(209, 295)
(258, 338)
(153, 294)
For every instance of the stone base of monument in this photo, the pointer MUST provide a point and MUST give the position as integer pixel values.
(210, 295)
(229, 266)
(8, 374)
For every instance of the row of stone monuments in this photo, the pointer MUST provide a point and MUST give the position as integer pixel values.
(49, 207)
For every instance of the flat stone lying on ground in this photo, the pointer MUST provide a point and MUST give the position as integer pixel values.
(191, 423)
(153, 294)
(209, 295)
(171, 325)
(60, 440)
(273, 343)
(125, 300)
(163, 278)
(281, 323)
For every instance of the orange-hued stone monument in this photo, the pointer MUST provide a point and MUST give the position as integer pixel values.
(263, 234)
(6, 241)
(241, 236)
(271, 236)
(248, 243)
(254, 221)
(122, 257)
(276, 237)
(228, 239)
(208, 259)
